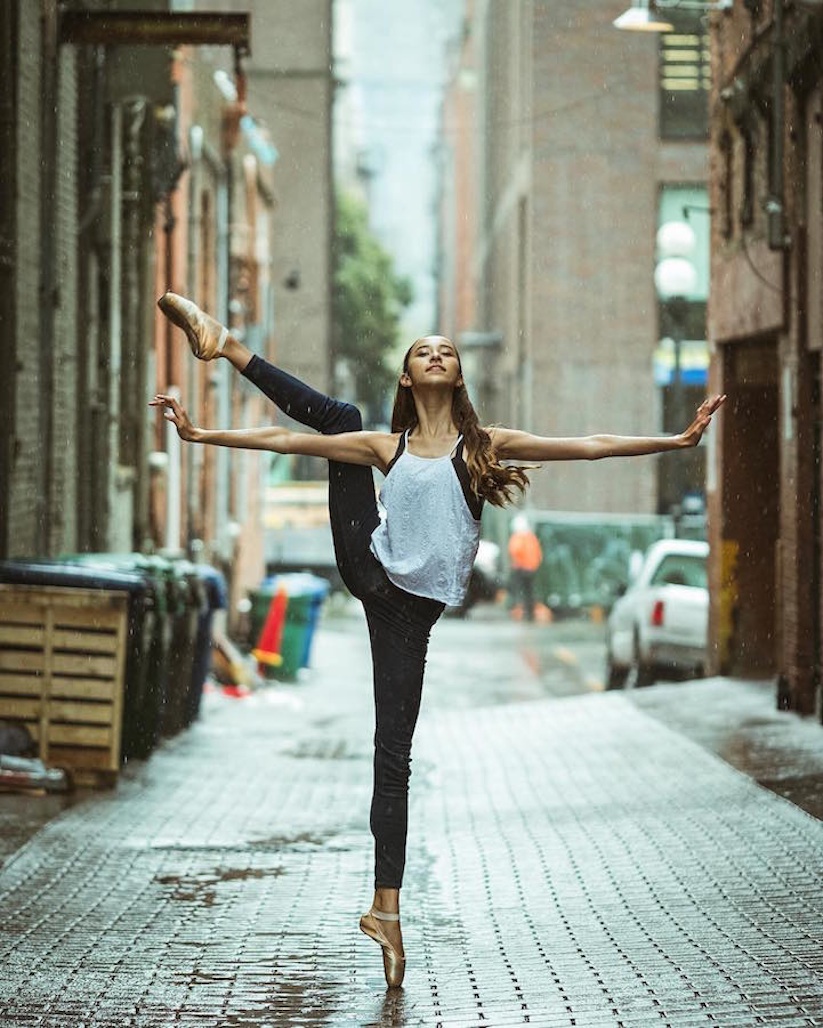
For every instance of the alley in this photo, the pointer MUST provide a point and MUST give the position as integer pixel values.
(572, 861)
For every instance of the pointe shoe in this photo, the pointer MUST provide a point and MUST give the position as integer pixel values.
(394, 965)
(206, 336)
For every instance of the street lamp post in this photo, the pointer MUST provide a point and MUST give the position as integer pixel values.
(675, 278)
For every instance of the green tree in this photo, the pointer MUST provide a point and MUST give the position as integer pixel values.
(368, 301)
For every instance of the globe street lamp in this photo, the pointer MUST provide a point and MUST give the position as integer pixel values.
(675, 279)
(642, 16)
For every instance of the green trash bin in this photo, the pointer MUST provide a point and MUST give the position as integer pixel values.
(294, 634)
(305, 594)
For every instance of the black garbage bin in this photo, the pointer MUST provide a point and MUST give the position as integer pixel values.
(190, 606)
(216, 598)
(135, 739)
(183, 610)
(155, 572)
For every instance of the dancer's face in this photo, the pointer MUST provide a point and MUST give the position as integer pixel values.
(431, 360)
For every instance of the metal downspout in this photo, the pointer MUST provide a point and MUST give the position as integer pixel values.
(90, 464)
(223, 541)
(8, 256)
(193, 454)
(115, 300)
(132, 359)
(775, 205)
(49, 83)
(815, 512)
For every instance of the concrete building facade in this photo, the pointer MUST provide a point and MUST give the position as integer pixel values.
(572, 167)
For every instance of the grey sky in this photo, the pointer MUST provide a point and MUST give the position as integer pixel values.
(397, 66)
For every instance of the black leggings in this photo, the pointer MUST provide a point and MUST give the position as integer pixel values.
(399, 622)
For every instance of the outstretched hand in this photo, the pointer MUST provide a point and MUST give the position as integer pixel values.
(176, 414)
(694, 433)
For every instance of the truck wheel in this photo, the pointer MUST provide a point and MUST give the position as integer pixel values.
(640, 674)
(615, 676)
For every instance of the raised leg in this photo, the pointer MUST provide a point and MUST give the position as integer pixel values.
(352, 501)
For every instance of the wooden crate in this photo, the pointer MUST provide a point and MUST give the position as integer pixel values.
(62, 660)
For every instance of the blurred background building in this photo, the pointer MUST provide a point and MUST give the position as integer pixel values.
(566, 145)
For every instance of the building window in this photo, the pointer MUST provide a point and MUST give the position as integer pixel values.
(684, 77)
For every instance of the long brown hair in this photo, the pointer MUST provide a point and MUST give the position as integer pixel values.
(490, 479)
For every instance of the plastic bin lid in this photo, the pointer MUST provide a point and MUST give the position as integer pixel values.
(37, 572)
(297, 583)
(217, 590)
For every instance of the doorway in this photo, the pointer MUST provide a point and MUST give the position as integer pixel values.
(751, 507)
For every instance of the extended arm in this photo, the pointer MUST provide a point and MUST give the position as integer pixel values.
(368, 448)
(523, 446)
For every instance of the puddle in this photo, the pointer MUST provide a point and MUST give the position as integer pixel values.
(326, 749)
(202, 886)
(299, 841)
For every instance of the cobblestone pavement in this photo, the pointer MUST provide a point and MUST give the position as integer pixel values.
(571, 862)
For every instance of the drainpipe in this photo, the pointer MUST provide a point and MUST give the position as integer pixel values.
(194, 454)
(8, 254)
(775, 209)
(173, 482)
(815, 512)
(169, 225)
(132, 386)
(90, 464)
(223, 542)
(49, 84)
(115, 315)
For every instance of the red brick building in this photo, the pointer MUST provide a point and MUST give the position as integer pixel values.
(128, 169)
(766, 330)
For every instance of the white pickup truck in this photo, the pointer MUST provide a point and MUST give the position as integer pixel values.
(660, 624)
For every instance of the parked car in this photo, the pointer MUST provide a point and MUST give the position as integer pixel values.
(659, 626)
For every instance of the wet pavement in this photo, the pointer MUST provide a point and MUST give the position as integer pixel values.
(575, 858)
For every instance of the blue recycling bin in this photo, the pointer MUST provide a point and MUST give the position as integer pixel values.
(306, 593)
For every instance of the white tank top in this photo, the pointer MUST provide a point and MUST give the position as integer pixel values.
(428, 537)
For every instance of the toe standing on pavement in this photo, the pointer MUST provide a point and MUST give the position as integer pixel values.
(440, 467)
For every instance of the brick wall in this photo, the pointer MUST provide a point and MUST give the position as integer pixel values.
(760, 302)
(458, 214)
(574, 168)
(28, 497)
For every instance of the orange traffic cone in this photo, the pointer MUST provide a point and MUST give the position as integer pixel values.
(267, 650)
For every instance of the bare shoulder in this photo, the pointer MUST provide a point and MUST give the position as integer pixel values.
(502, 437)
(384, 445)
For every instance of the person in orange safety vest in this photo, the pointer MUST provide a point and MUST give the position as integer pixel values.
(525, 557)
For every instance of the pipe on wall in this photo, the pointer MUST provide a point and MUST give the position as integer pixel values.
(8, 253)
(115, 310)
(49, 99)
(775, 205)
